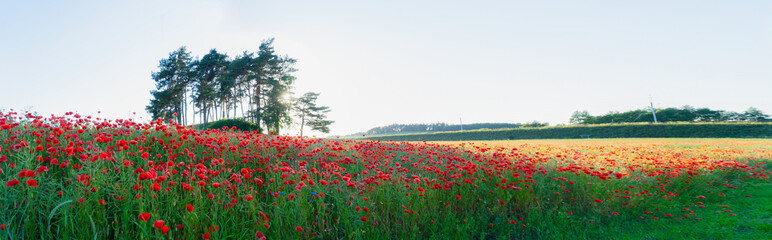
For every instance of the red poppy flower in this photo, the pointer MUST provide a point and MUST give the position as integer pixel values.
(32, 182)
(189, 207)
(207, 235)
(144, 216)
(164, 229)
(598, 200)
(259, 235)
(11, 183)
(155, 187)
(158, 223)
(249, 197)
(299, 229)
(364, 219)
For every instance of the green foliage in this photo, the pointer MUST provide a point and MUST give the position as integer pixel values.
(683, 114)
(535, 124)
(239, 123)
(632, 130)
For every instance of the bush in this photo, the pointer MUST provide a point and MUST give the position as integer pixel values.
(239, 123)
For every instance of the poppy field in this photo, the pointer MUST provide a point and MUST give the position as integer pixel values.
(80, 177)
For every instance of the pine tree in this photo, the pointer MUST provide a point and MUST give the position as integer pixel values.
(310, 114)
(172, 81)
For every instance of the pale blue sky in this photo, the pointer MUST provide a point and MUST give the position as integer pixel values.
(382, 62)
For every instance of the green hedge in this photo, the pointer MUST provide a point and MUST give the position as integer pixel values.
(643, 130)
(240, 124)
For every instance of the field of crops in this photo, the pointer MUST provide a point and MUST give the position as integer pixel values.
(77, 177)
(623, 130)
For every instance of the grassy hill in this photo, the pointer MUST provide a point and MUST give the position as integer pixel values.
(632, 130)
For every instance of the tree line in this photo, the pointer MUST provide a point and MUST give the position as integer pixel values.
(253, 86)
(436, 127)
(683, 114)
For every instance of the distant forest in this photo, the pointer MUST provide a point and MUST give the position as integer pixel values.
(440, 127)
(683, 114)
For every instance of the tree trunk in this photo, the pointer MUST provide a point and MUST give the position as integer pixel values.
(302, 122)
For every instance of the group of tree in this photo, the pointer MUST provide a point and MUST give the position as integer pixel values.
(219, 87)
(683, 114)
(435, 127)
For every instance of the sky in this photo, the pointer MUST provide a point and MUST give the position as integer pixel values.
(381, 62)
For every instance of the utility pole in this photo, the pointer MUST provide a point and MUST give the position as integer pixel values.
(462, 123)
(651, 104)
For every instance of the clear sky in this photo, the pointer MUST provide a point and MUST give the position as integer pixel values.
(382, 62)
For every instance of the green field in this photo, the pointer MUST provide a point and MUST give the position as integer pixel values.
(77, 179)
(633, 130)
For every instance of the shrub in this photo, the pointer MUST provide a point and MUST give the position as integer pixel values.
(239, 123)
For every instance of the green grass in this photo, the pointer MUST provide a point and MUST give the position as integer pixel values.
(753, 219)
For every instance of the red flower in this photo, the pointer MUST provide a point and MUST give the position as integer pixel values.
(158, 223)
(598, 200)
(364, 219)
(189, 207)
(102, 202)
(144, 216)
(32, 182)
(155, 187)
(180, 227)
(207, 235)
(11, 183)
(458, 196)
(164, 229)
(249, 197)
(299, 229)
(259, 235)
